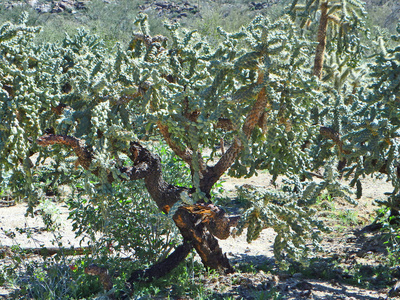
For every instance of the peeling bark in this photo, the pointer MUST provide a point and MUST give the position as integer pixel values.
(192, 227)
(164, 194)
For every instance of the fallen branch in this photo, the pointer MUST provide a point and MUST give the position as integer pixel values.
(47, 251)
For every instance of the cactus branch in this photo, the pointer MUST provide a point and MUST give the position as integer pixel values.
(83, 153)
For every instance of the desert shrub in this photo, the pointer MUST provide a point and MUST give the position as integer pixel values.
(124, 231)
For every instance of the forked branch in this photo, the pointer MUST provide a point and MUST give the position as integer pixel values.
(184, 153)
(212, 174)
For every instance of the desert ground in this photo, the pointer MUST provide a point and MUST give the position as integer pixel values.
(349, 244)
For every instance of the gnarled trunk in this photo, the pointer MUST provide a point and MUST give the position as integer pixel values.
(200, 223)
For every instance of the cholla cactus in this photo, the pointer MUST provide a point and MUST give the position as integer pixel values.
(255, 91)
(77, 94)
(380, 124)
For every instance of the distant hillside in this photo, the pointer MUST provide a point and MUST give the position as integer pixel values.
(384, 13)
(112, 19)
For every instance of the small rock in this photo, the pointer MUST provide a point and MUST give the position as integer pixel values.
(182, 15)
(351, 239)
(335, 283)
(246, 282)
(80, 5)
(162, 4)
(361, 253)
(57, 9)
(283, 287)
(275, 280)
(297, 275)
(67, 6)
(335, 256)
(44, 8)
(303, 285)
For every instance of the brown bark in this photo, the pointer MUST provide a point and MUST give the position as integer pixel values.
(81, 151)
(9, 89)
(199, 223)
(58, 109)
(213, 217)
(225, 124)
(329, 133)
(184, 153)
(321, 39)
(195, 227)
(162, 268)
(146, 166)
